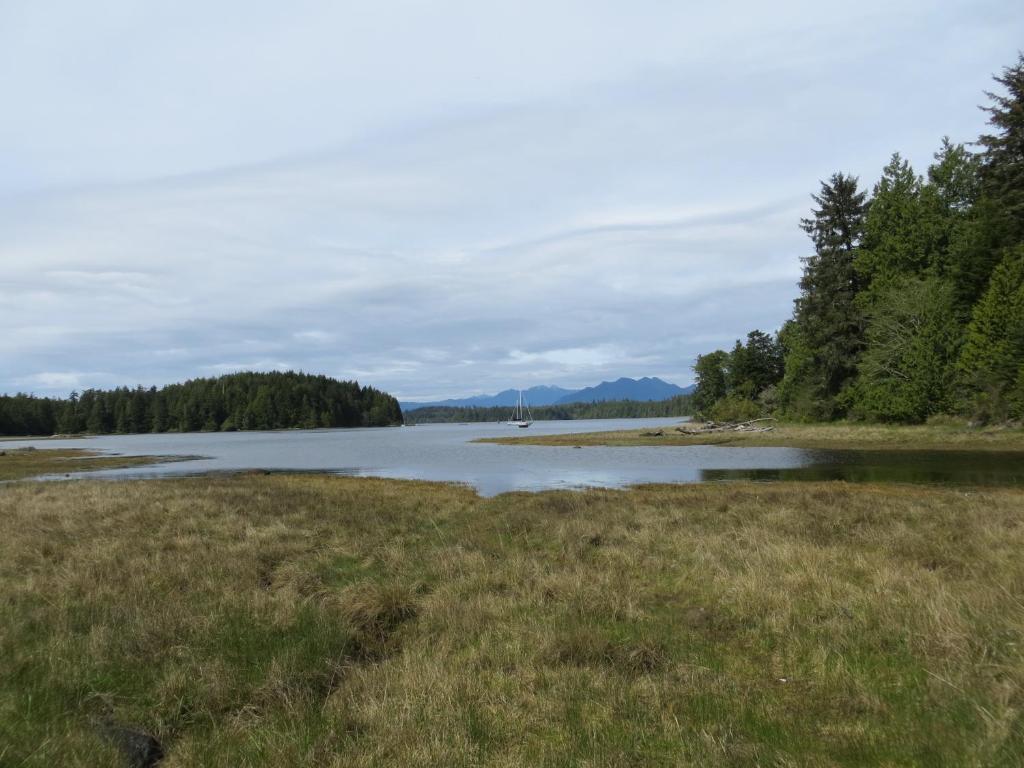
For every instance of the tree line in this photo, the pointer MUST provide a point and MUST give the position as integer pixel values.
(238, 401)
(912, 303)
(607, 409)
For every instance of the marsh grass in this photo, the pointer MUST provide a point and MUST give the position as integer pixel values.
(941, 435)
(19, 463)
(314, 620)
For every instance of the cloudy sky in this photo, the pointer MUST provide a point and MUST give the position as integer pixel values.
(442, 198)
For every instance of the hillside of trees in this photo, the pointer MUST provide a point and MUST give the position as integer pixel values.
(912, 303)
(239, 401)
(608, 409)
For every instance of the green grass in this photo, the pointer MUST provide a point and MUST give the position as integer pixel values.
(16, 464)
(840, 435)
(315, 620)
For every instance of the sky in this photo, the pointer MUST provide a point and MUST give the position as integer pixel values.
(442, 198)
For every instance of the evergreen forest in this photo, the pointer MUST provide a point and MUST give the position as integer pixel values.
(912, 303)
(606, 409)
(238, 401)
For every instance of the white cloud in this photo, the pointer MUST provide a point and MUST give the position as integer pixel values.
(248, 365)
(65, 380)
(575, 357)
(315, 336)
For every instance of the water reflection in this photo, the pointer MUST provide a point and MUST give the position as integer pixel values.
(939, 467)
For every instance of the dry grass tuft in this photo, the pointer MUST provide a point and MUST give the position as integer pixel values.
(376, 611)
(620, 652)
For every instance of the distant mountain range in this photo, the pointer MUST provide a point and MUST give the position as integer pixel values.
(645, 389)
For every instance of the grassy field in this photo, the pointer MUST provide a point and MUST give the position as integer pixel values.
(315, 620)
(21, 463)
(952, 436)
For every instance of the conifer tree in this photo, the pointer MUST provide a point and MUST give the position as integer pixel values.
(829, 323)
(1002, 167)
(993, 352)
(894, 242)
(906, 370)
(755, 365)
(711, 379)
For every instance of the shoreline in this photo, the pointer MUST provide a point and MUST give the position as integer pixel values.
(831, 436)
(29, 463)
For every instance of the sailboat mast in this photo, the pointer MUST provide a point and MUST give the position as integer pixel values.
(519, 418)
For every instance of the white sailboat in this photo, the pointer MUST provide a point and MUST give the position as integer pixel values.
(519, 418)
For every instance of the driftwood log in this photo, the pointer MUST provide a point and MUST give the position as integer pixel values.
(657, 433)
(711, 427)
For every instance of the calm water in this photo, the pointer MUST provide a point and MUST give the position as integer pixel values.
(446, 452)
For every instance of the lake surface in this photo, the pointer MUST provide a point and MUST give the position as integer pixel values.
(446, 452)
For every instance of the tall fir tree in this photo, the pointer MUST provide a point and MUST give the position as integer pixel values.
(829, 323)
(953, 233)
(995, 219)
(1002, 167)
(894, 243)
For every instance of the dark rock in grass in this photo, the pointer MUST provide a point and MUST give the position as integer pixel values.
(140, 750)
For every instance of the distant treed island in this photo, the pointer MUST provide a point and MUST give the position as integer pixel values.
(912, 304)
(680, 405)
(238, 401)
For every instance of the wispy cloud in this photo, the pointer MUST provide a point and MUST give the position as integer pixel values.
(64, 381)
